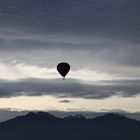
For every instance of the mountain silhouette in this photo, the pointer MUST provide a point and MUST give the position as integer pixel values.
(44, 126)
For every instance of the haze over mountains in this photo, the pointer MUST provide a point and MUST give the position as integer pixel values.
(43, 126)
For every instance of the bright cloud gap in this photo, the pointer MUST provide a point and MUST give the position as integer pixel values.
(49, 103)
(22, 71)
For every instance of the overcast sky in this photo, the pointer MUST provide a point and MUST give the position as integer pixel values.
(100, 39)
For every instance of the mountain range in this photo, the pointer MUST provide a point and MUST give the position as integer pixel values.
(44, 126)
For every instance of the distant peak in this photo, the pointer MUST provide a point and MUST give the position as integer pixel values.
(77, 117)
(40, 114)
(112, 116)
(30, 114)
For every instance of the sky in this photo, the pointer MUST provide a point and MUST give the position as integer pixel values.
(100, 39)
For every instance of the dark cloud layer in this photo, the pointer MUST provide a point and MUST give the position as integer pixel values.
(77, 16)
(107, 31)
(108, 18)
(70, 88)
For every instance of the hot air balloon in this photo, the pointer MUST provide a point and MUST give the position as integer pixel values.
(63, 68)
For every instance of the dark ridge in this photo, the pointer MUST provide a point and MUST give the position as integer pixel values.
(44, 126)
(112, 116)
(40, 114)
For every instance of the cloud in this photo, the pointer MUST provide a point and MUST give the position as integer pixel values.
(103, 18)
(117, 59)
(69, 88)
(65, 101)
(100, 35)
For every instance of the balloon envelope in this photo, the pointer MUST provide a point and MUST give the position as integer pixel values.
(63, 68)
